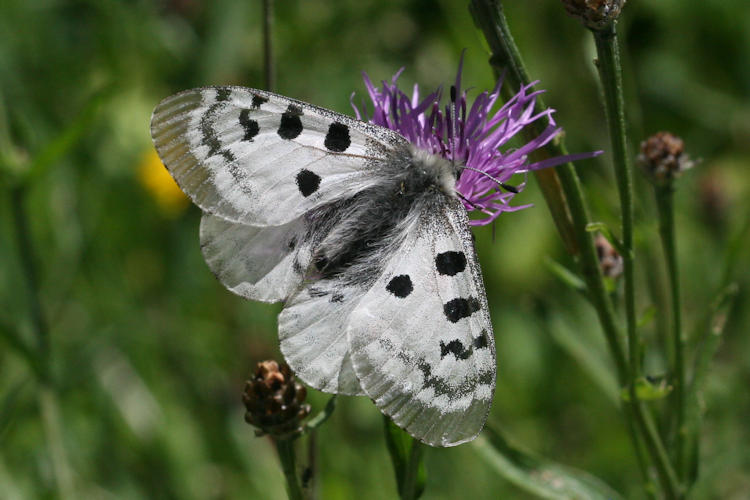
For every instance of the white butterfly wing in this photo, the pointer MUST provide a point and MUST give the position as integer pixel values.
(421, 338)
(257, 263)
(313, 337)
(260, 159)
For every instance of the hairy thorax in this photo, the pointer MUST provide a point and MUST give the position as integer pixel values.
(359, 230)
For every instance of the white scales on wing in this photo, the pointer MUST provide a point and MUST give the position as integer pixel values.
(358, 233)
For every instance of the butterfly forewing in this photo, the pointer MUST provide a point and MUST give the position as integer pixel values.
(261, 159)
(421, 338)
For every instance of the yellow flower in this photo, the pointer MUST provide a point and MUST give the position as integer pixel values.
(155, 178)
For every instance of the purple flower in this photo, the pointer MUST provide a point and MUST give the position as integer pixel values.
(475, 138)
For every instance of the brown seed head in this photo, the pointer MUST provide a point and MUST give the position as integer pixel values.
(275, 400)
(609, 260)
(663, 158)
(594, 14)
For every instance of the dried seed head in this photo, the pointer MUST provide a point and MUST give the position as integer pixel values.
(594, 14)
(663, 158)
(275, 400)
(609, 260)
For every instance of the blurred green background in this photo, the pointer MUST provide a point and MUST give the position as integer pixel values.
(149, 353)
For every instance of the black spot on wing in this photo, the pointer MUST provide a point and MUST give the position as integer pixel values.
(223, 94)
(460, 308)
(439, 384)
(457, 348)
(481, 342)
(400, 286)
(337, 138)
(210, 138)
(249, 126)
(454, 347)
(450, 263)
(258, 101)
(290, 126)
(208, 134)
(308, 182)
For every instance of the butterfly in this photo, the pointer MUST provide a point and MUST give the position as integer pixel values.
(359, 233)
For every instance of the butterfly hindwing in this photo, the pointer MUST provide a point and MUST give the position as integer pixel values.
(261, 159)
(257, 263)
(313, 337)
(421, 338)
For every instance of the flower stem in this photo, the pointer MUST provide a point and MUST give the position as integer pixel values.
(489, 17)
(48, 404)
(665, 206)
(269, 69)
(643, 459)
(28, 265)
(285, 447)
(610, 73)
(410, 490)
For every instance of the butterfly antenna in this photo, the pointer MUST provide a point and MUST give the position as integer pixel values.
(454, 123)
(464, 198)
(507, 187)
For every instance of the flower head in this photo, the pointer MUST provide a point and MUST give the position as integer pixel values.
(663, 158)
(595, 14)
(475, 138)
(274, 400)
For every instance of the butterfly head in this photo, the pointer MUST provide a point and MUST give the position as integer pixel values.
(432, 171)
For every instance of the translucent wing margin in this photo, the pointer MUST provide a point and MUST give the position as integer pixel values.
(313, 336)
(434, 376)
(261, 159)
(257, 263)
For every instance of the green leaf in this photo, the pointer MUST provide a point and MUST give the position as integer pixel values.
(589, 355)
(322, 416)
(540, 477)
(9, 407)
(647, 317)
(712, 328)
(15, 341)
(649, 389)
(565, 275)
(406, 456)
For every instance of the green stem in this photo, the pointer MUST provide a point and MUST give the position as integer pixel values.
(48, 405)
(50, 412)
(285, 447)
(268, 64)
(28, 265)
(665, 205)
(643, 459)
(610, 73)
(489, 17)
(411, 472)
